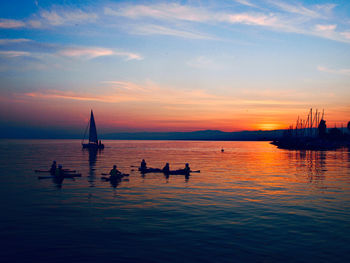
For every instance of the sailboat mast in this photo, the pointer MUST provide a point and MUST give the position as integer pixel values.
(92, 131)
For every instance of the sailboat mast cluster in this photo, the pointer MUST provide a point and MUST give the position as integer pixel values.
(308, 127)
(312, 134)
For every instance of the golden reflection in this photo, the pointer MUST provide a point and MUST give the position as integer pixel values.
(313, 163)
(252, 171)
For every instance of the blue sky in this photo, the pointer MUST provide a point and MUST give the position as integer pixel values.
(183, 65)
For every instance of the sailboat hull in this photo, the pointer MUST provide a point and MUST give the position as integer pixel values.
(93, 146)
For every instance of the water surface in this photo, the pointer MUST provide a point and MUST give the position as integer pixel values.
(252, 203)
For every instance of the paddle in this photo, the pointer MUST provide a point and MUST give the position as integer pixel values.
(53, 177)
(48, 171)
(119, 174)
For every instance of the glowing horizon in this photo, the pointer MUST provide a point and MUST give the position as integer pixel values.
(171, 66)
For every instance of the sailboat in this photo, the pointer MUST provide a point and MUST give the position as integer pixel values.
(93, 141)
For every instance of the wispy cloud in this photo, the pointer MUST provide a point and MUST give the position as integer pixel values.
(172, 18)
(315, 11)
(162, 11)
(245, 2)
(62, 16)
(6, 41)
(108, 97)
(11, 23)
(165, 97)
(152, 29)
(170, 102)
(203, 62)
(34, 23)
(174, 11)
(12, 54)
(126, 85)
(346, 34)
(345, 72)
(128, 55)
(94, 52)
(123, 91)
(249, 19)
(28, 55)
(325, 27)
(286, 17)
(58, 16)
(187, 20)
(86, 52)
(69, 95)
(295, 8)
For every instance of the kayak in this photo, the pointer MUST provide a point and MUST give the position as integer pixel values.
(150, 170)
(122, 175)
(49, 171)
(177, 172)
(174, 172)
(181, 172)
(110, 178)
(64, 176)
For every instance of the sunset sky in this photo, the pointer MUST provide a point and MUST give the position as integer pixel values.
(173, 66)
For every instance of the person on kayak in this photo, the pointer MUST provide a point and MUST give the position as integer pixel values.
(53, 168)
(187, 168)
(166, 168)
(59, 171)
(114, 172)
(143, 165)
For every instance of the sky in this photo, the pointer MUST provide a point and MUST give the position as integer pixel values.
(227, 65)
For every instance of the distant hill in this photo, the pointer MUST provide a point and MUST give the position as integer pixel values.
(20, 132)
(210, 135)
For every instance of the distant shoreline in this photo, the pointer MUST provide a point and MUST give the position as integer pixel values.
(189, 140)
(206, 135)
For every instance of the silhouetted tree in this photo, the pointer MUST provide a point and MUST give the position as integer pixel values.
(322, 127)
(349, 126)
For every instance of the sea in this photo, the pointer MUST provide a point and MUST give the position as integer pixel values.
(251, 203)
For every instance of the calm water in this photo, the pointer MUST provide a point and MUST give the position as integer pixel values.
(252, 203)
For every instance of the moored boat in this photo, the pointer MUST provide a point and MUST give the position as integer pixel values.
(93, 143)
